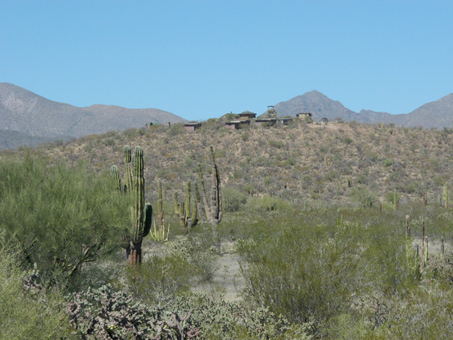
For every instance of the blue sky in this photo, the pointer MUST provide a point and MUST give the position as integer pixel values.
(201, 59)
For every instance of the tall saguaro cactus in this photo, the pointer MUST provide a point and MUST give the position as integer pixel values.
(140, 213)
(213, 209)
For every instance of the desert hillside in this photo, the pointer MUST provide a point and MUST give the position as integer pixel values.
(339, 162)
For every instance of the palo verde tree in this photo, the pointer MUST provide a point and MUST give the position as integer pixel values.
(59, 217)
(134, 192)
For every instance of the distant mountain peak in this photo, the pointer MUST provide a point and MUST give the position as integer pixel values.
(24, 111)
(437, 114)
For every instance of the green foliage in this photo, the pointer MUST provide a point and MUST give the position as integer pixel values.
(161, 278)
(267, 203)
(347, 140)
(176, 129)
(364, 197)
(233, 199)
(108, 314)
(27, 313)
(60, 217)
(308, 270)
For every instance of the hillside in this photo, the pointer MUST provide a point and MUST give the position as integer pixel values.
(437, 114)
(300, 162)
(26, 112)
(14, 139)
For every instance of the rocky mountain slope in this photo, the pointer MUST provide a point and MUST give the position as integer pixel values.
(437, 114)
(24, 111)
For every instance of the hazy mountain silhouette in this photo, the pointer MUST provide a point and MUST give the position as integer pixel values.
(437, 114)
(24, 111)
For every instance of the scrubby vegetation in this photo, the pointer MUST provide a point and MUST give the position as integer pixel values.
(329, 223)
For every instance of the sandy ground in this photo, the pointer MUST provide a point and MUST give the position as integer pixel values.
(228, 281)
(434, 246)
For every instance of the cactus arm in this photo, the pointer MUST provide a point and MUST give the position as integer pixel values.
(148, 219)
(175, 203)
(116, 177)
(182, 218)
(206, 210)
(187, 205)
(194, 217)
(160, 207)
(216, 194)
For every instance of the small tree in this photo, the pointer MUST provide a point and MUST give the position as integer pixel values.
(60, 217)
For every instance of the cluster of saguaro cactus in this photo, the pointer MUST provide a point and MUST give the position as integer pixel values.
(158, 233)
(187, 212)
(212, 210)
(415, 260)
(412, 258)
(140, 213)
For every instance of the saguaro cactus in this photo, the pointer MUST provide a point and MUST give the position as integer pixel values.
(160, 206)
(158, 233)
(140, 213)
(188, 213)
(213, 210)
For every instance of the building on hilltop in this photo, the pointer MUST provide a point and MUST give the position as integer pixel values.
(246, 115)
(271, 112)
(266, 122)
(192, 126)
(237, 124)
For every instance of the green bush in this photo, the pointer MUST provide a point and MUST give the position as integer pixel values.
(362, 196)
(27, 314)
(268, 203)
(308, 268)
(233, 199)
(159, 279)
(60, 217)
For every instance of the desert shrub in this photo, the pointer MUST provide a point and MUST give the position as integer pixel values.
(388, 162)
(278, 144)
(160, 278)
(362, 196)
(267, 203)
(108, 314)
(229, 321)
(130, 133)
(347, 140)
(27, 313)
(306, 269)
(60, 217)
(175, 129)
(174, 268)
(422, 313)
(233, 199)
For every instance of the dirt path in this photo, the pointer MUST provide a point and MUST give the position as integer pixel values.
(228, 281)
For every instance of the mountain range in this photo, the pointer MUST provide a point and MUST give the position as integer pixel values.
(437, 114)
(30, 117)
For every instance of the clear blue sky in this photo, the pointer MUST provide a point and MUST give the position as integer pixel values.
(201, 59)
